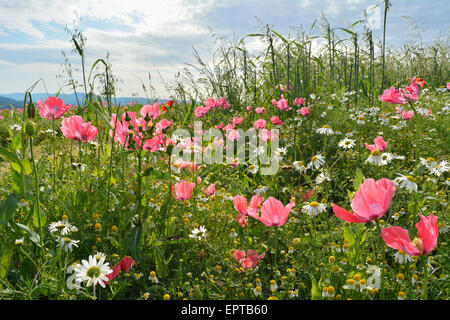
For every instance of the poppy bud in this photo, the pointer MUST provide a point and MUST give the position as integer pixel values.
(147, 117)
(127, 117)
(30, 128)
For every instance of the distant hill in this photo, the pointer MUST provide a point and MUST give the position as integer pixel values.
(16, 98)
(6, 102)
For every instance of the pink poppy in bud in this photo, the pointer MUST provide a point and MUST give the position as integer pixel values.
(259, 110)
(392, 96)
(304, 111)
(52, 108)
(259, 124)
(75, 128)
(273, 213)
(276, 121)
(249, 260)
(371, 201)
(427, 235)
(126, 263)
(210, 189)
(379, 145)
(298, 101)
(151, 109)
(249, 108)
(407, 115)
(183, 190)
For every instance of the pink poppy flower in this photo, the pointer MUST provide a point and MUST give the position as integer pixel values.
(75, 128)
(201, 111)
(407, 115)
(210, 189)
(219, 126)
(370, 202)
(259, 124)
(151, 109)
(240, 204)
(183, 190)
(304, 111)
(52, 108)
(282, 104)
(126, 263)
(237, 121)
(259, 110)
(411, 92)
(448, 85)
(275, 120)
(115, 272)
(232, 135)
(273, 213)
(379, 145)
(249, 108)
(427, 235)
(392, 96)
(298, 102)
(249, 260)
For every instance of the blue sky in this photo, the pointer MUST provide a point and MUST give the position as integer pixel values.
(144, 36)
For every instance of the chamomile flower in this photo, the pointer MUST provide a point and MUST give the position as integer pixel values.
(299, 166)
(63, 226)
(313, 208)
(253, 168)
(325, 130)
(19, 242)
(257, 291)
(273, 285)
(92, 271)
(346, 143)
(322, 177)
(316, 162)
(153, 277)
(67, 243)
(440, 168)
(406, 182)
(375, 157)
(260, 189)
(280, 153)
(198, 233)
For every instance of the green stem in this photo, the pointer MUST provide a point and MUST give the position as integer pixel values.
(382, 262)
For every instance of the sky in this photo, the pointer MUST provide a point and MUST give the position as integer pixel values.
(159, 37)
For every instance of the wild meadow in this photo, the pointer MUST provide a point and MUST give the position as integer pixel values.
(295, 173)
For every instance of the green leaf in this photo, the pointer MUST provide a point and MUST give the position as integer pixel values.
(316, 293)
(359, 178)
(38, 221)
(8, 208)
(5, 259)
(33, 236)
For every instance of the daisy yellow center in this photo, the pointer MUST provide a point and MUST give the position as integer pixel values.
(410, 178)
(252, 167)
(300, 163)
(314, 158)
(93, 272)
(326, 127)
(347, 142)
(67, 240)
(60, 226)
(258, 289)
(361, 118)
(376, 153)
(314, 204)
(430, 159)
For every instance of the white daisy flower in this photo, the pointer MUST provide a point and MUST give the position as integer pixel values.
(257, 290)
(316, 162)
(67, 243)
(322, 177)
(280, 153)
(299, 166)
(406, 182)
(314, 208)
(63, 226)
(198, 233)
(19, 242)
(440, 168)
(253, 168)
(260, 189)
(375, 157)
(402, 257)
(153, 277)
(346, 143)
(273, 285)
(93, 272)
(326, 130)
